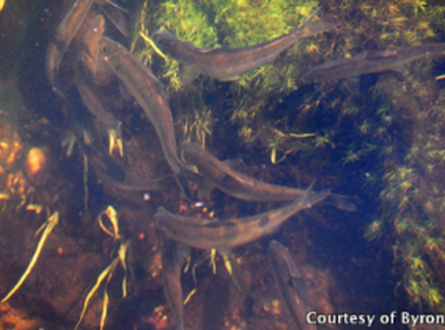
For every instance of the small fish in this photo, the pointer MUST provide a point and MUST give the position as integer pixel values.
(289, 280)
(152, 97)
(236, 184)
(85, 69)
(233, 232)
(174, 256)
(370, 62)
(230, 63)
(65, 33)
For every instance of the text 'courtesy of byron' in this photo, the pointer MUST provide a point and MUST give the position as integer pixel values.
(369, 320)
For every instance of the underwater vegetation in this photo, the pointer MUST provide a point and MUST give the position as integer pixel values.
(392, 130)
(378, 139)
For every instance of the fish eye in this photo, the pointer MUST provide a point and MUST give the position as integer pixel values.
(104, 49)
(158, 38)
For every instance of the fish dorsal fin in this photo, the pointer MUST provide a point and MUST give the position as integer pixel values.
(206, 187)
(116, 15)
(187, 74)
(362, 55)
(209, 50)
(125, 92)
(353, 85)
(400, 68)
(234, 164)
(209, 222)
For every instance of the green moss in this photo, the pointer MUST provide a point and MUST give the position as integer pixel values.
(396, 126)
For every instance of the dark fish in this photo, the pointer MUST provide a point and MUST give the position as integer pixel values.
(174, 256)
(230, 63)
(152, 97)
(288, 280)
(239, 185)
(85, 69)
(65, 33)
(233, 232)
(370, 62)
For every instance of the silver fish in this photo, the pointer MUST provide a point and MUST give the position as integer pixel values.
(217, 174)
(286, 275)
(370, 62)
(153, 99)
(230, 63)
(232, 232)
(174, 256)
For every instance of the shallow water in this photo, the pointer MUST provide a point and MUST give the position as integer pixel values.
(381, 148)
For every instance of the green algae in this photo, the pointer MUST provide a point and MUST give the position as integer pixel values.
(229, 24)
(396, 126)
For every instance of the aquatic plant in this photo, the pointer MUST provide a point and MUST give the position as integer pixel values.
(395, 126)
(229, 24)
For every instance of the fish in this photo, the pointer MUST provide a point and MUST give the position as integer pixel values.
(85, 70)
(370, 62)
(289, 280)
(152, 97)
(218, 174)
(220, 235)
(65, 33)
(228, 64)
(174, 255)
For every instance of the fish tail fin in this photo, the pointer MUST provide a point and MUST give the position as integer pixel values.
(184, 177)
(311, 198)
(310, 27)
(53, 60)
(340, 202)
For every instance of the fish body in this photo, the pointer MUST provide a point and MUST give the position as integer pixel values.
(287, 277)
(370, 62)
(151, 96)
(174, 256)
(233, 232)
(85, 72)
(229, 63)
(65, 33)
(244, 187)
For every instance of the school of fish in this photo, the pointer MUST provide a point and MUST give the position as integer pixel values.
(99, 56)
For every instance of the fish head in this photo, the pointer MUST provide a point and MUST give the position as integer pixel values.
(166, 41)
(108, 47)
(161, 212)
